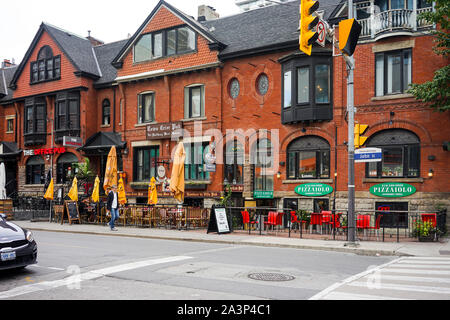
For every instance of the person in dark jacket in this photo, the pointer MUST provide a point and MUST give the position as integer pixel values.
(112, 206)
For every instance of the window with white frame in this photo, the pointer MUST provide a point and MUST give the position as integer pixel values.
(146, 107)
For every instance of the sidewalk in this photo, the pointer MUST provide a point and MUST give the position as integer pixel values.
(429, 249)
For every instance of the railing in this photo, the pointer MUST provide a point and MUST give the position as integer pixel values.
(378, 225)
(393, 20)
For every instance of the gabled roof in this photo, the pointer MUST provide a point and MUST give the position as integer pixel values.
(105, 54)
(262, 30)
(187, 19)
(77, 49)
(6, 74)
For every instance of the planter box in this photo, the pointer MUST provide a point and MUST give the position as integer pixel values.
(429, 238)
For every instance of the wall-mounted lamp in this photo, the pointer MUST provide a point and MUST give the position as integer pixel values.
(278, 174)
(431, 157)
(335, 174)
(430, 173)
(125, 151)
(303, 130)
(282, 163)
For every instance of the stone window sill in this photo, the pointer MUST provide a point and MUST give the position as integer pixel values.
(382, 180)
(307, 181)
(392, 97)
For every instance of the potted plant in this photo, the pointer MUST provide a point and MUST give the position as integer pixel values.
(425, 231)
(304, 217)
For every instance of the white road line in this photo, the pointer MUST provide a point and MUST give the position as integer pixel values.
(416, 266)
(419, 262)
(337, 295)
(402, 287)
(409, 271)
(414, 279)
(44, 267)
(73, 280)
(333, 287)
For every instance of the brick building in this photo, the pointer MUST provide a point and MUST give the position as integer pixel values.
(277, 117)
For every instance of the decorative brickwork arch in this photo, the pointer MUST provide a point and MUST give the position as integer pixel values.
(417, 129)
(309, 132)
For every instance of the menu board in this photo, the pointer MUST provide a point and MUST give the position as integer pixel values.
(218, 221)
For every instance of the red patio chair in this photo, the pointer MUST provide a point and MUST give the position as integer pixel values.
(246, 219)
(376, 227)
(429, 217)
(271, 219)
(316, 219)
(363, 222)
(336, 220)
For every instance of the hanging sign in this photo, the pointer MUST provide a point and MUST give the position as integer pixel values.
(313, 189)
(392, 190)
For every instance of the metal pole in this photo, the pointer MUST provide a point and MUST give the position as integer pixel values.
(351, 142)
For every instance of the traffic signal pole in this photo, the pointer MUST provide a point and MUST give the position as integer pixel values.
(351, 142)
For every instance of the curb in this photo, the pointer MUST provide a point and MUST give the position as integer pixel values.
(358, 251)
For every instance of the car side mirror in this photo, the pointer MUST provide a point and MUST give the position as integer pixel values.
(2, 215)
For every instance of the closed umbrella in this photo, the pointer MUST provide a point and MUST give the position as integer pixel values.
(49, 193)
(152, 193)
(96, 191)
(177, 178)
(111, 169)
(121, 192)
(2, 181)
(73, 193)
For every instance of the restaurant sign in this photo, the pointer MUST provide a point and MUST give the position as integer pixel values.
(44, 151)
(262, 194)
(313, 189)
(164, 130)
(392, 190)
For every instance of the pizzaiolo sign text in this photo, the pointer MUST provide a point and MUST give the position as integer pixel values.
(392, 190)
(313, 189)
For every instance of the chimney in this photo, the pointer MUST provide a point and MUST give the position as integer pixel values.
(206, 13)
(94, 42)
(7, 63)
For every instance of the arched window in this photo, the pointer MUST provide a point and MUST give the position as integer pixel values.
(46, 67)
(308, 158)
(35, 170)
(234, 161)
(400, 154)
(106, 112)
(64, 166)
(262, 159)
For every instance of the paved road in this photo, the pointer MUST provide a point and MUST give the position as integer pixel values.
(416, 278)
(89, 267)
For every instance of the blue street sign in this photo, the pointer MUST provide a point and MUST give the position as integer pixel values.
(368, 155)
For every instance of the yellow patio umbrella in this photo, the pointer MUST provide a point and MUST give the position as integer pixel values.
(122, 197)
(96, 191)
(152, 193)
(73, 192)
(177, 177)
(49, 193)
(111, 169)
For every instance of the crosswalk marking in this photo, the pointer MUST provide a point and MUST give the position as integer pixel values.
(404, 278)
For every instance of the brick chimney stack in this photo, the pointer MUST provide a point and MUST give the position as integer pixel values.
(7, 63)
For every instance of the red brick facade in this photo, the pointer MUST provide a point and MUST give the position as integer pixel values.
(251, 110)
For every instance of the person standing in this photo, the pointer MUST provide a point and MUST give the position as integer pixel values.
(112, 206)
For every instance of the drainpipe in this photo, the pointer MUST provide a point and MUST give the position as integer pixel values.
(114, 110)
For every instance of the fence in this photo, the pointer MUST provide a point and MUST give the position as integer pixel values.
(374, 225)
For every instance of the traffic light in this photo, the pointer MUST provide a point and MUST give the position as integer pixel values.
(307, 24)
(359, 130)
(349, 31)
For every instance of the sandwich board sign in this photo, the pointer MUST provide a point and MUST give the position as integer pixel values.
(218, 221)
(368, 155)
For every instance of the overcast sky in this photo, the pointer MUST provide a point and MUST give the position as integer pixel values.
(108, 20)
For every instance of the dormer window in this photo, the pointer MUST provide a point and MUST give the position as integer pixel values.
(46, 68)
(164, 43)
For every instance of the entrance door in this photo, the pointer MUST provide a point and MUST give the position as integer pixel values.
(289, 205)
(321, 205)
(11, 181)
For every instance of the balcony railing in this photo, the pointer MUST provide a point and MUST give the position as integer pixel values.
(393, 21)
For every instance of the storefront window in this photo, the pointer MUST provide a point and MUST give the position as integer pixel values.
(308, 158)
(400, 155)
(262, 160)
(234, 161)
(194, 163)
(145, 162)
(35, 170)
(64, 167)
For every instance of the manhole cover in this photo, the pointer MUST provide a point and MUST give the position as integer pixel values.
(271, 277)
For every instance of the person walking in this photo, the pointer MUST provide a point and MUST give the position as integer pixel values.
(112, 206)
